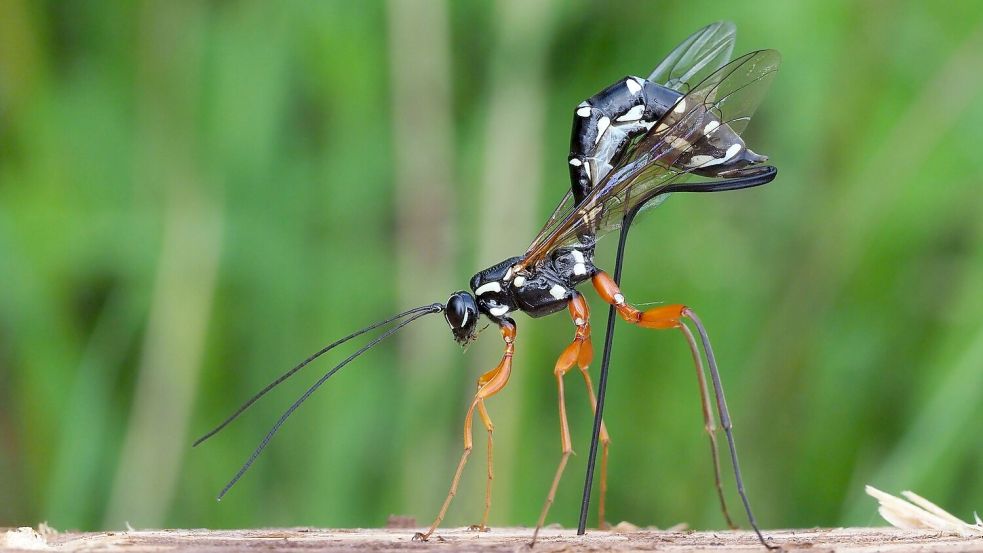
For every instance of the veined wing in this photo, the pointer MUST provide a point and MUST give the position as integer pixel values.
(724, 100)
(702, 53)
(691, 61)
(565, 205)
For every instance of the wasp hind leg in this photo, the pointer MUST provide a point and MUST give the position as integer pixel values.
(672, 316)
(579, 352)
(489, 384)
(709, 425)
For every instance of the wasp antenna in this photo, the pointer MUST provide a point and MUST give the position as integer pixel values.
(419, 313)
(305, 362)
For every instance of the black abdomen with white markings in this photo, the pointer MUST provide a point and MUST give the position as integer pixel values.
(604, 123)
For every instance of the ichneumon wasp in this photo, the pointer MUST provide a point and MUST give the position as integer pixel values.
(633, 144)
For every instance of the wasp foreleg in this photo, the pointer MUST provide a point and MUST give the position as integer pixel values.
(490, 427)
(489, 384)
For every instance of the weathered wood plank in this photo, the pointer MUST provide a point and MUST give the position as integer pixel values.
(504, 539)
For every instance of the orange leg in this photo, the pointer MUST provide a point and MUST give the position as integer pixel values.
(490, 427)
(579, 352)
(489, 384)
(483, 527)
(583, 354)
(666, 317)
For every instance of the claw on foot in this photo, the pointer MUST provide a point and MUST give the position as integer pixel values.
(420, 536)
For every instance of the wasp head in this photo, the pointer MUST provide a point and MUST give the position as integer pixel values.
(462, 316)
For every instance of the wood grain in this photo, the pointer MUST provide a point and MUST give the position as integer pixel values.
(504, 539)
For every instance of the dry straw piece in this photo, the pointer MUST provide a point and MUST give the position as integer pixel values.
(918, 513)
(22, 538)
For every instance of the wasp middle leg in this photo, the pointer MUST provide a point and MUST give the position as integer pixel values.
(580, 312)
(579, 352)
(494, 381)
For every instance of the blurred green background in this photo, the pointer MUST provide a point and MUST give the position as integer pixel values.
(194, 196)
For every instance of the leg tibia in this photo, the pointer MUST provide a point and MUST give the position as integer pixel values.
(566, 445)
(605, 447)
(662, 317)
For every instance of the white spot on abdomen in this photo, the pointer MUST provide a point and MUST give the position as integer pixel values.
(576, 162)
(731, 152)
(602, 125)
(584, 111)
(633, 86)
(519, 281)
(633, 114)
(711, 126)
(499, 311)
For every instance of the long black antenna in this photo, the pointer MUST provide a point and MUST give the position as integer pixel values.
(752, 177)
(303, 364)
(420, 312)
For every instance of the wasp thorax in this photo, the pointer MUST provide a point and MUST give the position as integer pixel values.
(491, 289)
(462, 316)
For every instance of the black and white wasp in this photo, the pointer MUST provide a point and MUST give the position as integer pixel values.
(633, 144)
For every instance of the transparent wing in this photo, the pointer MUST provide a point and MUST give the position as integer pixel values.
(565, 206)
(691, 61)
(702, 53)
(723, 101)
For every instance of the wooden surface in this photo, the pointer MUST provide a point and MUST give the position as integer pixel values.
(505, 539)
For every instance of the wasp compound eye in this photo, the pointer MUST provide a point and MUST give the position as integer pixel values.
(462, 316)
